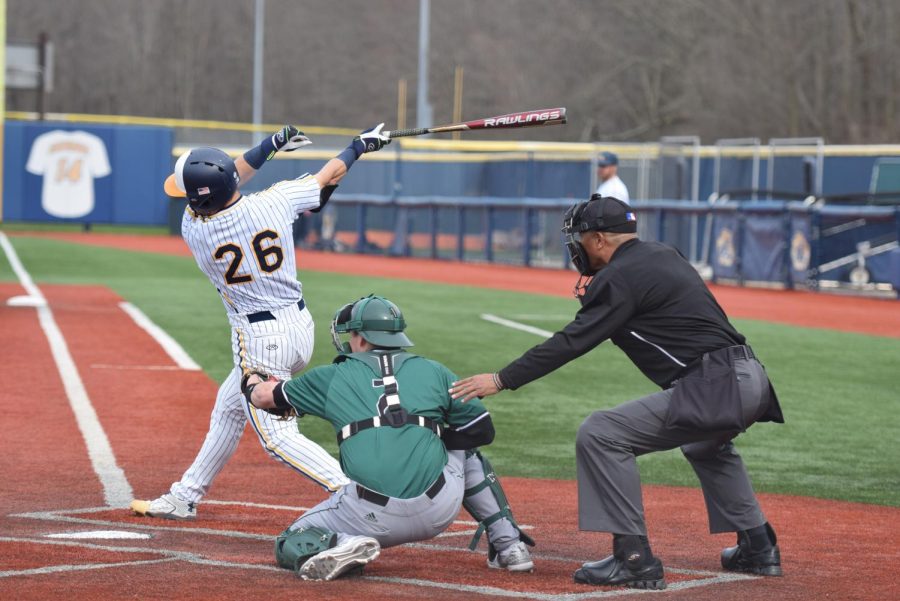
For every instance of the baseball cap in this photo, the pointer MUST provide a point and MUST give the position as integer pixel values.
(608, 214)
(607, 158)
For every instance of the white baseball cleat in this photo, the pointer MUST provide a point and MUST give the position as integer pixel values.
(168, 507)
(353, 552)
(516, 558)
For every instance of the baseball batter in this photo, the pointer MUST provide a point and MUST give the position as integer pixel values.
(410, 450)
(244, 246)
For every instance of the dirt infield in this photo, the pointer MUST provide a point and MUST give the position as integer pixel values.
(849, 314)
(155, 417)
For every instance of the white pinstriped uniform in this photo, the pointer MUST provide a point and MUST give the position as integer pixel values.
(246, 251)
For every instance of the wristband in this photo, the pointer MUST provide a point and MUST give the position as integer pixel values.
(348, 156)
(258, 155)
(497, 381)
(281, 400)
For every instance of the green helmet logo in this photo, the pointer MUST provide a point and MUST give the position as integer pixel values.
(378, 321)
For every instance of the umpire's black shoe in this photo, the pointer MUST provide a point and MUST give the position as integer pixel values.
(762, 558)
(616, 572)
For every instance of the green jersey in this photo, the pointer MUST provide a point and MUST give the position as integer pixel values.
(399, 462)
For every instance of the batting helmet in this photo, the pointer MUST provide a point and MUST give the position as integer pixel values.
(378, 321)
(207, 177)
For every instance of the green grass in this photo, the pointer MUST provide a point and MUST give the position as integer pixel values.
(838, 390)
(108, 228)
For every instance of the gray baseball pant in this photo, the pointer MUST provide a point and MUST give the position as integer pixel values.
(409, 520)
(609, 486)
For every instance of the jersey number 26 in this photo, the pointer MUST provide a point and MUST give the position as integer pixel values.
(269, 257)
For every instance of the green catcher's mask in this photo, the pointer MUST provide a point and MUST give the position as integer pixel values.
(378, 321)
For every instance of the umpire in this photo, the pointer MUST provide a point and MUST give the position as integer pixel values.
(647, 299)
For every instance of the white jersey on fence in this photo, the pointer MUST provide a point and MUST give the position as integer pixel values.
(247, 250)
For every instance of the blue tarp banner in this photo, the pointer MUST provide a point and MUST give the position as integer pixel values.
(763, 247)
(74, 172)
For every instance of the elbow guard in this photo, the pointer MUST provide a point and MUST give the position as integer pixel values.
(324, 195)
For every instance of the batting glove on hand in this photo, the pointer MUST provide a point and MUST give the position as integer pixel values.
(289, 138)
(370, 140)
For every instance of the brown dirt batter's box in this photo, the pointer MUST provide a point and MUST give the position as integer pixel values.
(225, 539)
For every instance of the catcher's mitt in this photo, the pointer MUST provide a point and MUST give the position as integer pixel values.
(247, 389)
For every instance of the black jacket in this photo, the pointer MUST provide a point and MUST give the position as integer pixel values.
(652, 304)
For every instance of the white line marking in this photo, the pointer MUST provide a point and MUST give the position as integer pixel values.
(259, 505)
(54, 517)
(501, 592)
(171, 555)
(116, 489)
(710, 578)
(516, 325)
(66, 515)
(99, 535)
(541, 316)
(83, 567)
(169, 344)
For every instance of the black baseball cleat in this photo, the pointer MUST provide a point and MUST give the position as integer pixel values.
(616, 572)
(762, 559)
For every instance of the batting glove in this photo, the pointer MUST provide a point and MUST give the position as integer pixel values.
(289, 138)
(370, 140)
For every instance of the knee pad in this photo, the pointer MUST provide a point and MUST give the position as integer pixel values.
(294, 547)
(492, 483)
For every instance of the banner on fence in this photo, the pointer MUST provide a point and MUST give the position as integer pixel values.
(764, 247)
(726, 245)
(97, 174)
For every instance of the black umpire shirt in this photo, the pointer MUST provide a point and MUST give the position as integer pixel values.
(651, 303)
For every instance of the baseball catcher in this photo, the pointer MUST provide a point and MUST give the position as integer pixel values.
(410, 451)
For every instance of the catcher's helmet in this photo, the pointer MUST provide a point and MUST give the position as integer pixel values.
(207, 177)
(378, 321)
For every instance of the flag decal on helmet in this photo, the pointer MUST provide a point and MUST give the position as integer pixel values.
(203, 190)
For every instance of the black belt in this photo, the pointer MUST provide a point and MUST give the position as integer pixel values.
(733, 353)
(722, 355)
(379, 499)
(267, 315)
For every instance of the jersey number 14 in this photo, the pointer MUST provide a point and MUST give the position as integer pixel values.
(269, 257)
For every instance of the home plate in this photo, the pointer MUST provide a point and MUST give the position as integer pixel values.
(26, 301)
(100, 534)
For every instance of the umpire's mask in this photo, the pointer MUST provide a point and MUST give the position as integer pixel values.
(599, 214)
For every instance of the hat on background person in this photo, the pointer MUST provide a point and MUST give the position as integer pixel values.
(607, 158)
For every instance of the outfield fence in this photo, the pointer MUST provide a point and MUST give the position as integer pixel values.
(490, 200)
(767, 243)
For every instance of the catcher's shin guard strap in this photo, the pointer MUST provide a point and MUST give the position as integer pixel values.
(294, 547)
(493, 483)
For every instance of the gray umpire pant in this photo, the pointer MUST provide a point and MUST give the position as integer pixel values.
(609, 486)
(409, 520)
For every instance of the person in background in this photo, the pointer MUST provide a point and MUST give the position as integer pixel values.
(611, 185)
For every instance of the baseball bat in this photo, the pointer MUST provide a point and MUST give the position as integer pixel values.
(555, 116)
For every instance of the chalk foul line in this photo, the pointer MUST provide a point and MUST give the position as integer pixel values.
(168, 344)
(117, 491)
(515, 325)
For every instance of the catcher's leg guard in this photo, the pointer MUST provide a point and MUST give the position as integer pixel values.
(294, 547)
(488, 509)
